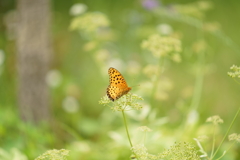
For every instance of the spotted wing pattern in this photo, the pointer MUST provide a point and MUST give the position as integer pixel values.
(118, 86)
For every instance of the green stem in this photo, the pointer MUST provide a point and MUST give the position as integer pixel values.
(227, 132)
(200, 146)
(198, 83)
(213, 143)
(226, 151)
(155, 81)
(199, 75)
(126, 127)
(236, 81)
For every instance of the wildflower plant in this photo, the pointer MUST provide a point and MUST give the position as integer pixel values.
(178, 151)
(89, 22)
(142, 153)
(235, 73)
(54, 154)
(216, 120)
(125, 103)
(144, 129)
(163, 46)
(234, 137)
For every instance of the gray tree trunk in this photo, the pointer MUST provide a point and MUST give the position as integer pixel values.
(33, 58)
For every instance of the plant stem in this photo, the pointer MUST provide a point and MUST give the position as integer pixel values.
(198, 83)
(155, 80)
(236, 81)
(144, 137)
(214, 139)
(126, 127)
(227, 132)
(200, 146)
(226, 151)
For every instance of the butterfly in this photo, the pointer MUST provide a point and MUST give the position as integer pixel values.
(118, 86)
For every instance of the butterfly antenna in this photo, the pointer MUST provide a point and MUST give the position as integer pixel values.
(134, 85)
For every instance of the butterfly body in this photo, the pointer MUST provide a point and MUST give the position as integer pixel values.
(118, 86)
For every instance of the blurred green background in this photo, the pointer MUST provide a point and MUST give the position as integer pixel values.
(192, 89)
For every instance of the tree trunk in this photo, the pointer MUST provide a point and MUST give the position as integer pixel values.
(33, 58)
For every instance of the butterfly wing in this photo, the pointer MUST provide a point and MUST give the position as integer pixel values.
(118, 86)
(113, 93)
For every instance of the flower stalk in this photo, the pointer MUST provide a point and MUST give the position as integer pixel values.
(225, 136)
(126, 127)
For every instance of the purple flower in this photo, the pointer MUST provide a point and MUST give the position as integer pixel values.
(150, 4)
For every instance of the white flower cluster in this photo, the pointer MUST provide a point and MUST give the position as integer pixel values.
(235, 71)
(89, 22)
(214, 119)
(161, 46)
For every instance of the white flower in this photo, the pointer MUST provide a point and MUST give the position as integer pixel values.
(144, 129)
(164, 29)
(70, 104)
(192, 117)
(78, 9)
(214, 119)
(53, 78)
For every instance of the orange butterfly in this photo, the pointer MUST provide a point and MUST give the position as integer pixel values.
(118, 86)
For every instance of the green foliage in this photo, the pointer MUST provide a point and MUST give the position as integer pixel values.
(195, 9)
(172, 51)
(14, 153)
